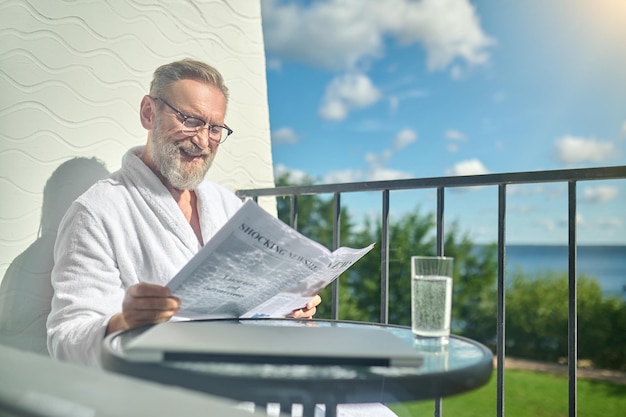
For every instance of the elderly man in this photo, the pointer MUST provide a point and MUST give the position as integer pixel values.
(121, 241)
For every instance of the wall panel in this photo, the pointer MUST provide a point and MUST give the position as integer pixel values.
(72, 75)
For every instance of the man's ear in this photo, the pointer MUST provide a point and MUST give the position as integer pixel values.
(147, 112)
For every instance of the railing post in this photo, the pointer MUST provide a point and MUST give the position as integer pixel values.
(440, 229)
(440, 252)
(294, 211)
(384, 261)
(500, 346)
(336, 243)
(572, 325)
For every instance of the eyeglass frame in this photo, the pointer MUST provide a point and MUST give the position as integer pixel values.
(186, 117)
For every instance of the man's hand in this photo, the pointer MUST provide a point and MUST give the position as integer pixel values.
(309, 309)
(144, 304)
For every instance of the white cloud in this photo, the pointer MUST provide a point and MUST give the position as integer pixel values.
(520, 208)
(623, 133)
(346, 175)
(544, 191)
(373, 172)
(274, 64)
(333, 110)
(447, 29)
(572, 150)
(334, 34)
(386, 174)
(343, 34)
(467, 167)
(456, 72)
(600, 194)
(284, 135)
(347, 92)
(397, 97)
(563, 223)
(295, 176)
(404, 138)
(378, 159)
(394, 102)
(525, 190)
(580, 222)
(455, 135)
(546, 224)
(413, 93)
(376, 163)
(610, 223)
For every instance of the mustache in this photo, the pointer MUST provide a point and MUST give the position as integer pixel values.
(188, 146)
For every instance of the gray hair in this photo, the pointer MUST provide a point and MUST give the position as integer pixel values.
(186, 69)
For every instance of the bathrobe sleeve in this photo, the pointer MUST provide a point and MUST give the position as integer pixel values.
(88, 289)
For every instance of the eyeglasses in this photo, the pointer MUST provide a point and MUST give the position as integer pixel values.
(192, 125)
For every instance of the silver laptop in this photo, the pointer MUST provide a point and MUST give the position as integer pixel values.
(245, 342)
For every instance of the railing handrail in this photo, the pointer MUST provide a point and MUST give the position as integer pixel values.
(561, 175)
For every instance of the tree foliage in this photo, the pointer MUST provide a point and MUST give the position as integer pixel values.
(536, 307)
(314, 214)
(410, 234)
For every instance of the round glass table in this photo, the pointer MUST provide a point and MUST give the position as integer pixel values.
(461, 366)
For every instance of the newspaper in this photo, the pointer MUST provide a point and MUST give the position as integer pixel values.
(257, 266)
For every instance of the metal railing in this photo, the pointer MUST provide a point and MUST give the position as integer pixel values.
(571, 177)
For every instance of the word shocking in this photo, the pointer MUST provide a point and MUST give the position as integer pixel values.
(274, 247)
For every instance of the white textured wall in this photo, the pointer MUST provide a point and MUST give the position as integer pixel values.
(72, 74)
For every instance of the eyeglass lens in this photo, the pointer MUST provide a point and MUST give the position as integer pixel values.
(192, 125)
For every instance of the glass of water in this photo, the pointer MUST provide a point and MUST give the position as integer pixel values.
(431, 299)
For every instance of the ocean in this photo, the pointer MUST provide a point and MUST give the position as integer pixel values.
(607, 264)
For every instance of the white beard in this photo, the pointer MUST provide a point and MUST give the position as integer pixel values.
(166, 156)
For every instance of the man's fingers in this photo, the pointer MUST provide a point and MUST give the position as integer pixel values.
(304, 314)
(315, 301)
(309, 309)
(152, 303)
(136, 318)
(144, 289)
(149, 310)
(147, 304)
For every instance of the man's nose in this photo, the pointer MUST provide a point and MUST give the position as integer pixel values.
(201, 138)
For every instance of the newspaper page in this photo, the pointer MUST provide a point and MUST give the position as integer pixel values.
(257, 265)
(283, 303)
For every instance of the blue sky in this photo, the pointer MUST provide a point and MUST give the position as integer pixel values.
(364, 90)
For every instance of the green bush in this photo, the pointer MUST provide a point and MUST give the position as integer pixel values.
(536, 320)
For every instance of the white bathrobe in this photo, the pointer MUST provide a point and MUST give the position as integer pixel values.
(124, 230)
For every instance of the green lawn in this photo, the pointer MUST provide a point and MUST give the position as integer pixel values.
(528, 394)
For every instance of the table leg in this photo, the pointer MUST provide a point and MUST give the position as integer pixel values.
(286, 408)
(331, 410)
(308, 410)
